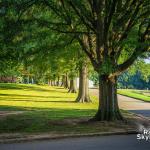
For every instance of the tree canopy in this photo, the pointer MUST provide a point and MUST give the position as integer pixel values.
(112, 33)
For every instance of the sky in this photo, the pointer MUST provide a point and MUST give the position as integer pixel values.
(147, 60)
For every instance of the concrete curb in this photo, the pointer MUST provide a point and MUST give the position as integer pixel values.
(35, 137)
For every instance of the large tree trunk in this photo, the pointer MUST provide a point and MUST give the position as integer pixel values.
(66, 83)
(83, 95)
(108, 103)
(72, 88)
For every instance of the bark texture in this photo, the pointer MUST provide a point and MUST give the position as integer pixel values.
(108, 103)
(63, 81)
(72, 88)
(66, 82)
(83, 95)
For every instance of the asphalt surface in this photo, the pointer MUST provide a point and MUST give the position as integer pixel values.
(113, 142)
(145, 113)
(127, 103)
(118, 142)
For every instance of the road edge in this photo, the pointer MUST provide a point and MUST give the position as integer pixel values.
(37, 137)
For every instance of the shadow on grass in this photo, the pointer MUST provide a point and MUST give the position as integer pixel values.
(59, 87)
(32, 98)
(40, 120)
(28, 87)
(25, 100)
(12, 108)
(36, 96)
(23, 108)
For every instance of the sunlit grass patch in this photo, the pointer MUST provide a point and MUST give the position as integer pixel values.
(44, 109)
(40, 105)
(36, 96)
(138, 94)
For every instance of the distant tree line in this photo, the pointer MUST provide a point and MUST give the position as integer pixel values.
(137, 77)
(135, 81)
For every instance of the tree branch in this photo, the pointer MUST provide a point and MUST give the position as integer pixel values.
(124, 66)
(130, 22)
(81, 16)
(85, 49)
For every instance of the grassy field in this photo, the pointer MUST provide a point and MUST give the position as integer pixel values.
(40, 105)
(19, 96)
(138, 94)
(47, 109)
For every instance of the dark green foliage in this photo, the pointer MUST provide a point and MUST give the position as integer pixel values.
(137, 77)
(112, 33)
(126, 80)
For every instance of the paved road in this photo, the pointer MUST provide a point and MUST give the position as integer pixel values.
(128, 103)
(134, 105)
(119, 142)
(145, 113)
(131, 104)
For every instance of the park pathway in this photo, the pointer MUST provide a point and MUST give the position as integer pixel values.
(127, 103)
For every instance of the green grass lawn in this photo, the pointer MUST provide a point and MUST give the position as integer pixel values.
(48, 109)
(41, 105)
(21, 96)
(138, 94)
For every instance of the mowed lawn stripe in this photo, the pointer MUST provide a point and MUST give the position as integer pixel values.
(137, 94)
(37, 96)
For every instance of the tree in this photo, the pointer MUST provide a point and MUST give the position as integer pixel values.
(83, 95)
(102, 27)
(136, 77)
(72, 75)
